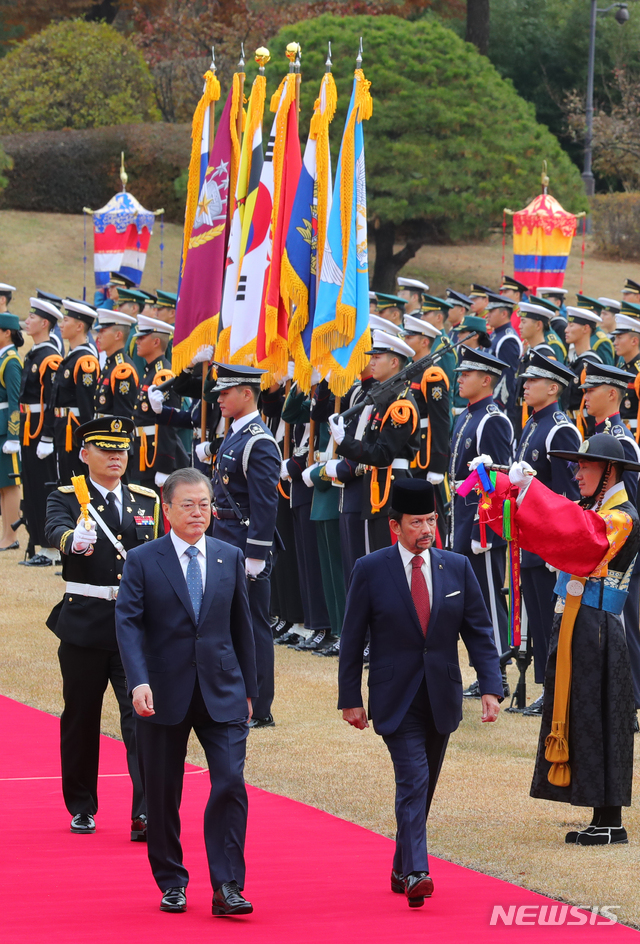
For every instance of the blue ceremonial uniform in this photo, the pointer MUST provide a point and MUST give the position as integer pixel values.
(545, 429)
(483, 429)
(507, 346)
(245, 479)
(631, 612)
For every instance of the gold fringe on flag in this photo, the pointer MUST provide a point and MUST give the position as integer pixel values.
(210, 94)
(342, 378)
(319, 129)
(236, 105)
(203, 334)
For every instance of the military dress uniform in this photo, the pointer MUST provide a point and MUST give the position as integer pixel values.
(245, 478)
(600, 341)
(158, 448)
(84, 621)
(36, 426)
(506, 346)
(10, 376)
(483, 429)
(630, 406)
(545, 429)
(117, 387)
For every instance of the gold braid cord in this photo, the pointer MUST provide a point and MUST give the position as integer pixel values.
(51, 362)
(399, 412)
(432, 375)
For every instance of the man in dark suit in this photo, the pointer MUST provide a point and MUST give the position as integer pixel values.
(416, 601)
(84, 620)
(184, 630)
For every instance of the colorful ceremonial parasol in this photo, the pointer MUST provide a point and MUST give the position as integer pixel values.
(121, 233)
(542, 237)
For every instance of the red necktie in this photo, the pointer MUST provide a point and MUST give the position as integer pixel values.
(419, 593)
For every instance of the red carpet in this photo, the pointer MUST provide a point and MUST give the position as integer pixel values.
(313, 879)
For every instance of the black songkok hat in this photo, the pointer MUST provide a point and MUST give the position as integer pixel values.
(413, 497)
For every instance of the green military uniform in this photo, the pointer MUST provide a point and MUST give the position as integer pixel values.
(600, 341)
(10, 376)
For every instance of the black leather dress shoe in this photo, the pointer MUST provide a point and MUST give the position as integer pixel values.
(139, 828)
(11, 547)
(397, 882)
(417, 887)
(473, 691)
(227, 900)
(174, 899)
(267, 722)
(287, 639)
(38, 560)
(333, 650)
(328, 642)
(279, 627)
(83, 824)
(535, 708)
(310, 645)
(598, 836)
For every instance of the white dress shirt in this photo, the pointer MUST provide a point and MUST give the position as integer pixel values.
(406, 557)
(242, 421)
(117, 491)
(181, 548)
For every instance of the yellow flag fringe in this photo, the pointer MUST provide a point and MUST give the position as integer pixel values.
(222, 347)
(342, 378)
(210, 95)
(205, 333)
(319, 129)
(236, 105)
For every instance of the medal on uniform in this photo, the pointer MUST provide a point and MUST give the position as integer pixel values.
(34, 368)
(225, 478)
(145, 407)
(627, 404)
(103, 399)
(67, 374)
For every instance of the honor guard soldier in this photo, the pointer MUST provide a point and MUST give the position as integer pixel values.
(94, 540)
(631, 292)
(534, 321)
(605, 389)
(410, 290)
(505, 346)
(554, 338)
(626, 340)
(10, 373)
(107, 297)
(483, 429)
(132, 302)
(55, 336)
(431, 393)
(389, 439)
(517, 292)
(547, 428)
(610, 309)
(479, 295)
(434, 311)
(159, 451)
(390, 308)
(600, 342)
(74, 386)
(36, 427)
(473, 332)
(245, 479)
(581, 325)
(556, 297)
(117, 388)
(166, 306)
(459, 306)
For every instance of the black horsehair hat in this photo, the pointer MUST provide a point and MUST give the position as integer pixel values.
(603, 447)
(107, 432)
(413, 497)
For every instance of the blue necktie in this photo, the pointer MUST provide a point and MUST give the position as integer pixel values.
(194, 580)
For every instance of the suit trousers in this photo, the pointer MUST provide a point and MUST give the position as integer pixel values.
(417, 750)
(316, 617)
(162, 749)
(85, 675)
(540, 600)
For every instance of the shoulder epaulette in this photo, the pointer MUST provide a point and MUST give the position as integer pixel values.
(560, 419)
(142, 490)
(66, 488)
(493, 408)
(618, 431)
(119, 358)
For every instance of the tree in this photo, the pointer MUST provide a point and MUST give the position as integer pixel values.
(6, 163)
(74, 75)
(449, 144)
(478, 24)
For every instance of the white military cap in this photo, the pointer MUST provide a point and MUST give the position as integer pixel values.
(610, 303)
(550, 290)
(526, 308)
(417, 326)
(148, 325)
(381, 324)
(79, 310)
(5, 287)
(412, 283)
(582, 315)
(384, 343)
(40, 306)
(107, 317)
(624, 323)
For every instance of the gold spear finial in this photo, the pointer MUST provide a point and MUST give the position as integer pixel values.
(124, 177)
(262, 58)
(544, 178)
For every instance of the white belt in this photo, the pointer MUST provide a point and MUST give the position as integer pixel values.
(633, 424)
(31, 407)
(62, 411)
(147, 430)
(91, 590)
(4, 406)
(424, 422)
(400, 464)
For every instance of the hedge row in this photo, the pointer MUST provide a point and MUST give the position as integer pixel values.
(64, 171)
(616, 224)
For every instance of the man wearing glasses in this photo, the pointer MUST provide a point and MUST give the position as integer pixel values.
(185, 636)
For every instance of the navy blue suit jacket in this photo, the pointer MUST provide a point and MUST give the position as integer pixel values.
(161, 643)
(379, 599)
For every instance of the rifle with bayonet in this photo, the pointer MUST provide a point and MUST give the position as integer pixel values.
(396, 385)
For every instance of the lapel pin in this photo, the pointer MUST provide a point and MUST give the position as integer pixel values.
(129, 511)
(219, 560)
(439, 566)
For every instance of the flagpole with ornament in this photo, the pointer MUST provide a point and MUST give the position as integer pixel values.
(341, 335)
(251, 160)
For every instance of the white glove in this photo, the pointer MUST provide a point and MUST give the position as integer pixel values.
(331, 468)
(316, 376)
(202, 356)
(520, 474)
(253, 567)
(290, 369)
(336, 425)
(160, 478)
(480, 460)
(83, 538)
(306, 474)
(435, 478)
(11, 446)
(477, 548)
(156, 398)
(284, 470)
(203, 452)
(44, 449)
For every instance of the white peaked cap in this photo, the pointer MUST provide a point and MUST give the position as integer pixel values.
(412, 283)
(418, 326)
(388, 343)
(148, 325)
(381, 324)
